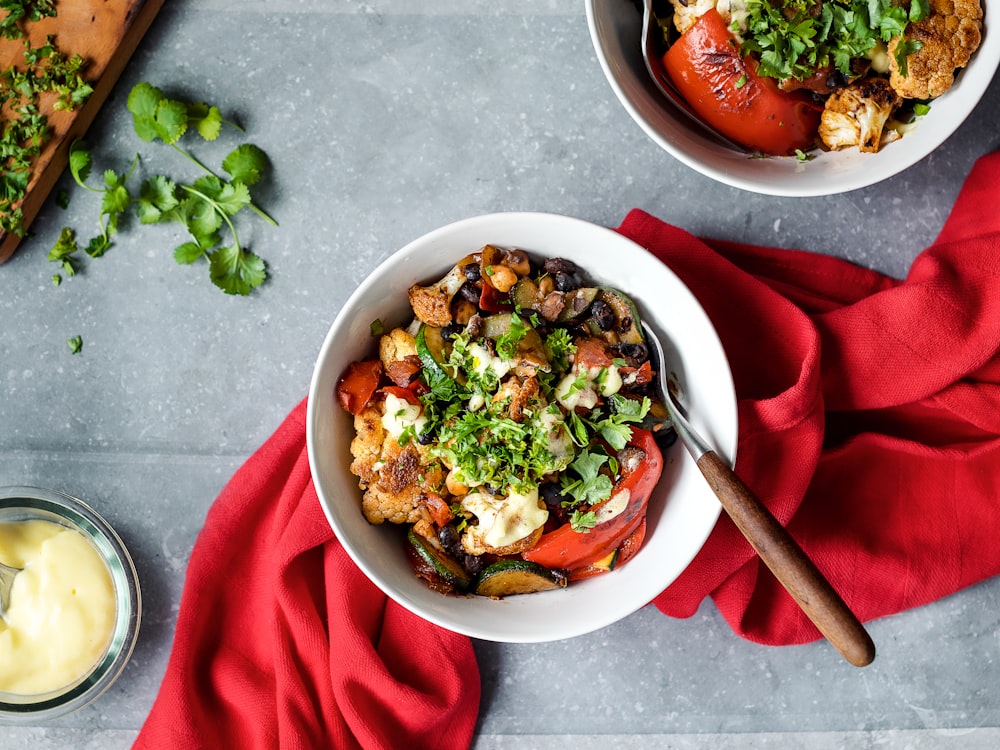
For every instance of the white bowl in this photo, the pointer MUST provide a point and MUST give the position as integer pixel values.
(682, 511)
(615, 27)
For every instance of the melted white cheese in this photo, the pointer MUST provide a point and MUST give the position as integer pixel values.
(504, 520)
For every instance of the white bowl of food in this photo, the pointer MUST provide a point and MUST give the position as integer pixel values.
(681, 510)
(615, 27)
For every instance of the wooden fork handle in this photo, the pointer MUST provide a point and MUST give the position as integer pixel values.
(790, 565)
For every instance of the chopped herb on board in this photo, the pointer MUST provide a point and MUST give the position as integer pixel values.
(46, 70)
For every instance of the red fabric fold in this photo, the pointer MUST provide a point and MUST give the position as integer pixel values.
(869, 415)
(283, 642)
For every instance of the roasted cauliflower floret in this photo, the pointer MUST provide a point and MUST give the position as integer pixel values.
(856, 115)
(686, 12)
(949, 36)
(398, 352)
(432, 304)
(396, 345)
(394, 477)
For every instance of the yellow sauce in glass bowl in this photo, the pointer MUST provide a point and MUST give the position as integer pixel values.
(62, 607)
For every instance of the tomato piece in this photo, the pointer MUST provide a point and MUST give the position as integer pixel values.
(358, 384)
(406, 394)
(570, 550)
(493, 300)
(440, 510)
(592, 352)
(723, 87)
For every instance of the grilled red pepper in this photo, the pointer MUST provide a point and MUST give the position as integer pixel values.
(722, 86)
(570, 550)
(358, 384)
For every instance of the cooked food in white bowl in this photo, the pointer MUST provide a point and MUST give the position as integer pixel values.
(871, 99)
(454, 493)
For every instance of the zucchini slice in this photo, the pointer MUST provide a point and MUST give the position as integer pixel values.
(626, 329)
(510, 577)
(439, 562)
(431, 349)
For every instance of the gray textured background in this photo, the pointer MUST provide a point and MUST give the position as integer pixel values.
(383, 120)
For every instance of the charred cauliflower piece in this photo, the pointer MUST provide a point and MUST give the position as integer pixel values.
(949, 36)
(856, 115)
(686, 12)
(393, 477)
(432, 304)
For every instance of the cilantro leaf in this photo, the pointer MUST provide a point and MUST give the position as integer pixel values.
(188, 253)
(246, 163)
(206, 120)
(64, 246)
(171, 120)
(592, 487)
(80, 161)
(75, 344)
(157, 196)
(236, 271)
(142, 103)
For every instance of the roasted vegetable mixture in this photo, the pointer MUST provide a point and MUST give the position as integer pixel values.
(512, 426)
(784, 76)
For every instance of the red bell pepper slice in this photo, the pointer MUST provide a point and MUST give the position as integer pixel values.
(406, 394)
(567, 549)
(723, 87)
(358, 384)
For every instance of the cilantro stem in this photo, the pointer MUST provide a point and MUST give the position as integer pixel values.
(253, 207)
(218, 209)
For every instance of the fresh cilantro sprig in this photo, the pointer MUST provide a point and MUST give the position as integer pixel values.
(204, 207)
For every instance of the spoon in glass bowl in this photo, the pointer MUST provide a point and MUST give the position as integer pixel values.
(654, 66)
(7, 574)
(774, 545)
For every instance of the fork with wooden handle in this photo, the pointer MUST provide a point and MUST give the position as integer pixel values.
(774, 545)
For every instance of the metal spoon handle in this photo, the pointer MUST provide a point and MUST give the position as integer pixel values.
(790, 565)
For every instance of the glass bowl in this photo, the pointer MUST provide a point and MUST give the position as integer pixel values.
(18, 504)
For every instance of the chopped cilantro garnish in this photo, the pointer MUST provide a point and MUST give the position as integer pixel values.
(792, 38)
(591, 486)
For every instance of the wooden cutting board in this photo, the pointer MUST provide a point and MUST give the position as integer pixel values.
(105, 33)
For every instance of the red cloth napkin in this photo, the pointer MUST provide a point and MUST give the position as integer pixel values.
(869, 415)
(282, 642)
(869, 420)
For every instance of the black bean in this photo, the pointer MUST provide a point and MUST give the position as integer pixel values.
(469, 291)
(559, 265)
(565, 282)
(604, 316)
(472, 564)
(638, 352)
(449, 538)
(451, 330)
(471, 271)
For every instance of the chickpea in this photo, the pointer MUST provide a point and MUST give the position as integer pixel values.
(454, 486)
(518, 262)
(546, 285)
(501, 277)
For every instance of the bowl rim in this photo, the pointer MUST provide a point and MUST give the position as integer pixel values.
(482, 227)
(58, 507)
(776, 175)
